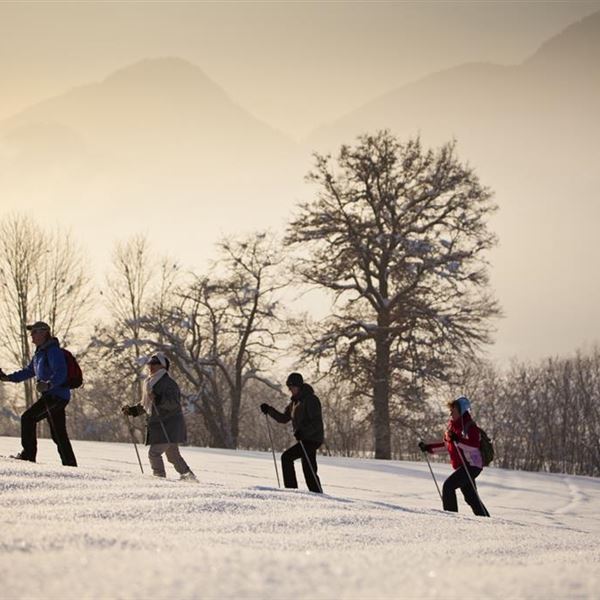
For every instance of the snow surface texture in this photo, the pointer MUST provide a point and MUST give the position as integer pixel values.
(104, 530)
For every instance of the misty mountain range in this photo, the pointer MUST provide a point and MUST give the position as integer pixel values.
(160, 144)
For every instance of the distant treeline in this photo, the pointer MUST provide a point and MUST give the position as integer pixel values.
(545, 416)
(542, 416)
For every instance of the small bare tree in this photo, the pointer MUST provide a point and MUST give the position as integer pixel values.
(222, 331)
(129, 296)
(138, 281)
(397, 233)
(43, 276)
(347, 418)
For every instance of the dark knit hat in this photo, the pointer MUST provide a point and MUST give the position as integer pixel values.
(294, 380)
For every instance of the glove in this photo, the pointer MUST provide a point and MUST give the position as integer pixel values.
(423, 446)
(42, 386)
(451, 436)
(297, 435)
(264, 407)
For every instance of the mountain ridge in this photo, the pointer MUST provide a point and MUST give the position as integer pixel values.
(149, 89)
(568, 40)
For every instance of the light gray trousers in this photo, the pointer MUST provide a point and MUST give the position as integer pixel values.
(155, 453)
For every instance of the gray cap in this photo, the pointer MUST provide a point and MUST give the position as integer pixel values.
(39, 326)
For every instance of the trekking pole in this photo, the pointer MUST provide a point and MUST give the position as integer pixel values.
(462, 459)
(53, 432)
(50, 418)
(272, 449)
(164, 429)
(311, 467)
(433, 476)
(130, 428)
(426, 457)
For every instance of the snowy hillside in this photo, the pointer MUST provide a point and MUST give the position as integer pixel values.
(106, 531)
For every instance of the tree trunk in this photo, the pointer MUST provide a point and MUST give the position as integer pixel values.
(236, 401)
(381, 398)
(212, 422)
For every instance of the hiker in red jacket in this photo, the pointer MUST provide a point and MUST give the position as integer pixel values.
(462, 435)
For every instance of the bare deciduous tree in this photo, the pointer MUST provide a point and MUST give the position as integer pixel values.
(398, 234)
(44, 276)
(138, 281)
(221, 332)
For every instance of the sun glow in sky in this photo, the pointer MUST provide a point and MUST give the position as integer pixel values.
(188, 121)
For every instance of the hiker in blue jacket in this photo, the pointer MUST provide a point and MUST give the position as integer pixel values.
(49, 367)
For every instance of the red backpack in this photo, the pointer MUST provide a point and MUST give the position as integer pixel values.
(74, 374)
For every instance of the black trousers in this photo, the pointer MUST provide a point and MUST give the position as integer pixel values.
(53, 409)
(460, 479)
(287, 465)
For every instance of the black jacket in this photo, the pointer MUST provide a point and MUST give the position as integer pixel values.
(304, 411)
(166, 423)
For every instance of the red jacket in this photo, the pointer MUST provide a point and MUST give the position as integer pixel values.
(468, 441)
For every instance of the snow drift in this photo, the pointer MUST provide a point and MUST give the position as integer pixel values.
(104, 530)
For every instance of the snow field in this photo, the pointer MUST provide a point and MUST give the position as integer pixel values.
(104, 530)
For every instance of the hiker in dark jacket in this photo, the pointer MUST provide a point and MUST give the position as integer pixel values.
(165, 425)
(49, 367)
(304, 411)
(462, 435)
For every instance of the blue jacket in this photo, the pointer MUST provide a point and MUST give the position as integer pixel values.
(48, 364)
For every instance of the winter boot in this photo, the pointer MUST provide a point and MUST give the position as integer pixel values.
(188, 476)
(22, 456)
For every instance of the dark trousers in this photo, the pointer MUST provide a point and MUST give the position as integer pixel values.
(287, 465)
(53, 409)
(460, 479)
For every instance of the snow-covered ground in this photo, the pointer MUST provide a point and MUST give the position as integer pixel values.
(104, 530)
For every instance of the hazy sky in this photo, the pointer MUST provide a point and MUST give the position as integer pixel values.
(296, 65)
